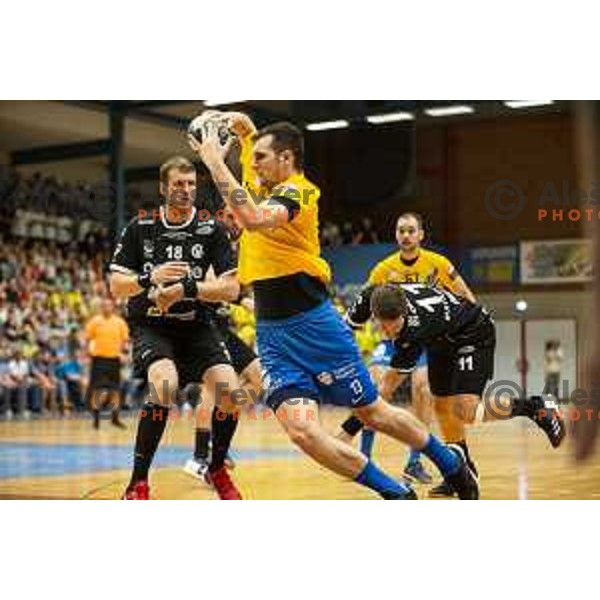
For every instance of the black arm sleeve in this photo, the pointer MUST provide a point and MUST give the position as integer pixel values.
(293, 206)
(360, 309)
(405, 357)
(221, 254)
(126, 256)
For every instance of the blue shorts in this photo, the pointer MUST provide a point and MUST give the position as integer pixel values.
(313, 355)
(382, 355)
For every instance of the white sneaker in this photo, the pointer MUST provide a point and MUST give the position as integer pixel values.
(9, 415)
(197, 469)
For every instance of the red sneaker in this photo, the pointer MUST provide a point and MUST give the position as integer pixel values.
(139, 491)
(223, 485)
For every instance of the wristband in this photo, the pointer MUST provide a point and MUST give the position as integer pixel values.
(145, 281)
(190, 289)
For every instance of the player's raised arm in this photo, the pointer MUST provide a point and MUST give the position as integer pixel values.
(247, 213)
(240, 124)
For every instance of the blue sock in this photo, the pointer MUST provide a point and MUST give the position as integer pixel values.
(367, 440)
(374, 478)
(441, 456)
(414, 456)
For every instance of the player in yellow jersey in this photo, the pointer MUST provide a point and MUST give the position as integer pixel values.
(412, 263)
(307, 351)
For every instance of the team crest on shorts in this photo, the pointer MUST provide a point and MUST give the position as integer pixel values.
(325, 378)
(466, 350)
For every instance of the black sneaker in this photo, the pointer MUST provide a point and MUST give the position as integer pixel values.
(463, 482)
(442, 490)
(410, 495)
(118, 424)
(546, 418)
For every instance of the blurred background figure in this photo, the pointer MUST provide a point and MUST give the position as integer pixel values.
(107, 335)
(553, 359)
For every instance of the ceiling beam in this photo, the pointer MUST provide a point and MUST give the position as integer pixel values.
(46, 154)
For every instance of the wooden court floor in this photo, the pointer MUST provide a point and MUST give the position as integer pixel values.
(47, 459)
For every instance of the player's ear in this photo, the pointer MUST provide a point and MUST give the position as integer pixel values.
(285, 157)
(421, 235)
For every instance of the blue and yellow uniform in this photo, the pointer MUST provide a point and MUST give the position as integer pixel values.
(429, 268)
(306, 349)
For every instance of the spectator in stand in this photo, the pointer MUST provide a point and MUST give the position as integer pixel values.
(19, 381)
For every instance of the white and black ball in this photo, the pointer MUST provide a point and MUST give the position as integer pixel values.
(210, 120)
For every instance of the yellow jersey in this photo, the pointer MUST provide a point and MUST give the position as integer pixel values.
(291, 248)
(106, 336)
(429, 268)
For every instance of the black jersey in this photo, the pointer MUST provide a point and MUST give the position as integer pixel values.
(149, 242)
(435, 316)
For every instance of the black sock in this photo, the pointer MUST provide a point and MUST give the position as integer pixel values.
(223, 428)
(202, 444)
(352, 425)
(152, 424)
(465, 448)
(525, 407)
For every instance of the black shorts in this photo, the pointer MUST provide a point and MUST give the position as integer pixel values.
(105, 373)
(194, 349)
(241, 354)
(465, 366)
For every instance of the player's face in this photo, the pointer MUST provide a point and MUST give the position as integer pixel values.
(270, 166)
(408, 234)
(180, 189)
(391, 328)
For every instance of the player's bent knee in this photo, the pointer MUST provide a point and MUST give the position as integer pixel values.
(303, 433)
(374, 415)
(163, 381)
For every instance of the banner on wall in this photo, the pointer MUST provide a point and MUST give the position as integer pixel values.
(493, 264)
(558, 261)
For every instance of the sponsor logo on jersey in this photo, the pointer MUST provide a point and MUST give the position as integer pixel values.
(413, 321)
(205, 229)
(176, 235)
(197, 250)
(148, 249)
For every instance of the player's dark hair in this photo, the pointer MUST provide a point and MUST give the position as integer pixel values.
(388, 302)
(181, 163)
(416, 216)
(286, 136)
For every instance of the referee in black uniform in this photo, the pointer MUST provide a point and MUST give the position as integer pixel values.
(160, 265)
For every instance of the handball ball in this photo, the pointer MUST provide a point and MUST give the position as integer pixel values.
(201, 125)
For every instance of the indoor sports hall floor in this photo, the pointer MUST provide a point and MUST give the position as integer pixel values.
(68, 459)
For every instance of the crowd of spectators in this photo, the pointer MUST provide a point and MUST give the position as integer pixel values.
(364, 232)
